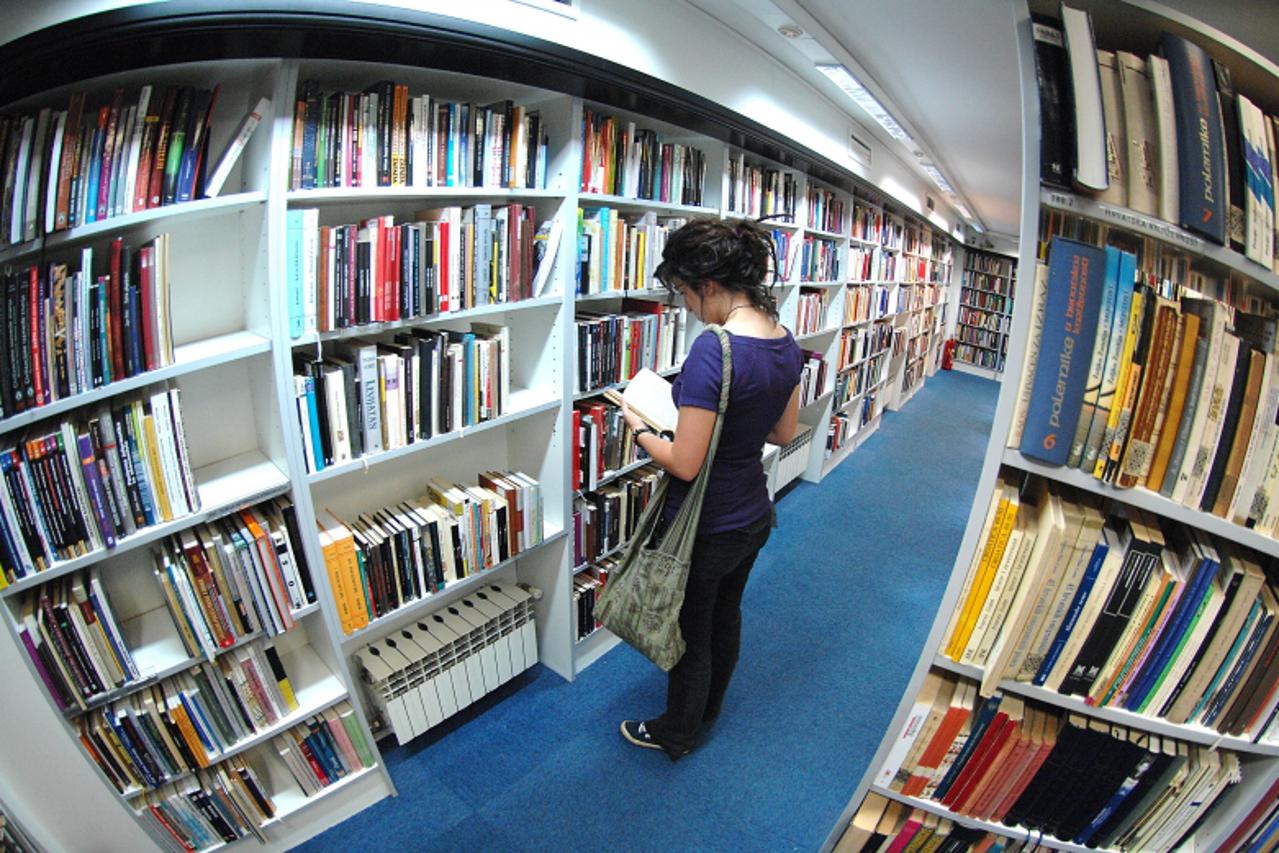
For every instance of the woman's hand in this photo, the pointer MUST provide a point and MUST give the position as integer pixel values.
(632, 420)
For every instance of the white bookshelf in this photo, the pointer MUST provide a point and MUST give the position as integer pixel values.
(234, 368)
(1135, 25)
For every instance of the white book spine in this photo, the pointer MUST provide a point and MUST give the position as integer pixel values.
(218, 177)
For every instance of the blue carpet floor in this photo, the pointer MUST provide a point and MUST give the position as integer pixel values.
(837, 609)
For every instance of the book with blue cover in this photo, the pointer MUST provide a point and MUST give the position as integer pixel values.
(1200, 154)
(1076, 273)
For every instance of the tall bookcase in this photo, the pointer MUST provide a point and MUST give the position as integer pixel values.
(984, 318)
(1135, 26)
(236, 352)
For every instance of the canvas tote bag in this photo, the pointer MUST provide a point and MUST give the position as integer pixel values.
(641, 600)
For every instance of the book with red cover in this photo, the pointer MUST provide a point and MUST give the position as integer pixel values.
(980, 762)
(115, 310)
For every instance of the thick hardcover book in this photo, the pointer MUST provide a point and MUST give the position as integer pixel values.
(1231, 419)
(1142, 137)
(1056, 114)
(1102, 342)
(1112, 106)
(1075, 279)
(1202, 187)
(1085, 87)
(1233, 152)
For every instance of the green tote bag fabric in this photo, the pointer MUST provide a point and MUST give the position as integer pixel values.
(644, 594)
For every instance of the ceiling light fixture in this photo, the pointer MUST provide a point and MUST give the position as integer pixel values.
(841, 77)
(938, 178)
(791, 31)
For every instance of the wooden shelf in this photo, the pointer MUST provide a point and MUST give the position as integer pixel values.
(349, 195)
(405, 612)
(224, 488)
(1075, 704)
(371, 329)
(526, 404)
(184, 212)
(187, 358)
(1149, 226)
(639, 204)
(1147, 500)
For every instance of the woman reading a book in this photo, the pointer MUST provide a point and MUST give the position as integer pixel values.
(721, 269)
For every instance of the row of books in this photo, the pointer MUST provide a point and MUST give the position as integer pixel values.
(882, 825)
(985, 301)
(217, 806)
(188, 721)
(993, 265)
(621, 159)
(825, 211)
(873, 264)
(603, 443)
(374, 271)
(978, 337)
(616, 253)
(870, 374)
(81, 486)
(990, 283)
(363, 397)
(980, 356)
(587, 586)
(386, 137)
(842, 427)
(867, 222)
(405, 552)
(65, 168)
(865, 302)
(69, 630)
(811, 312)
(786, 254)
(856, 345)
(1007, 760)
(812, 378)
(612, 348)
(324, 749)
(229, 579)
(65, 333)
(818, 259)
(760, 192)
(604, 519)
(450, 658)
(1120, 608)
(993, 321)
(1166, 135)
(1173, 394)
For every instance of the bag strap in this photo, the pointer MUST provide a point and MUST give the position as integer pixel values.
(683, 528)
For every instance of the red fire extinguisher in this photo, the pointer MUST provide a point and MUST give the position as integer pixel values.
(948, 354)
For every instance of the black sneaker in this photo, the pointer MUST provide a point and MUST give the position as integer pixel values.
(637, 733)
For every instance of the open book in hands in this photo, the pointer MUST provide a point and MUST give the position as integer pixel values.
(649, 396)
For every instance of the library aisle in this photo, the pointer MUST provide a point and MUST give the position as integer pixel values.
(838, 605)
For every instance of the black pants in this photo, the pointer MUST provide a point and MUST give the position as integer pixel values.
(711, 622)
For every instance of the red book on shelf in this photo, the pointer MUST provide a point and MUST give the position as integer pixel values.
(979, 760)
(37, 360)
(1027, 773)
(115, 310)
(146, 283)
(391, 300)
(66, 165)
(577, 456)
(103, 200)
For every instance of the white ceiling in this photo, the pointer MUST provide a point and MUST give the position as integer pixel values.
(947, 70)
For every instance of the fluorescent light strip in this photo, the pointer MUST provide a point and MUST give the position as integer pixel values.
(841, 77)
(938, 178)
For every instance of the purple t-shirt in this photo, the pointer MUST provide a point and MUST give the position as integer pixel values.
(765, 373)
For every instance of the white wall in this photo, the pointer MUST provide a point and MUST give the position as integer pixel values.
(668, 39)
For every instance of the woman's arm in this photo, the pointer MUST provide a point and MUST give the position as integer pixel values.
(784, 429)
(684, 456)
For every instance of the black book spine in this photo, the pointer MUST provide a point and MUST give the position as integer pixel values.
(22, 504)
(26, 377)
(289, 513)
(95, 333)
(130, 330)
(386, 96)
(114, 510)
(80, 517)
(9, 342)
(1233, 148)
(1238, 389)
(124, 441)
(1027, 811)
(363, 283)
(56, 522)
(322, 408)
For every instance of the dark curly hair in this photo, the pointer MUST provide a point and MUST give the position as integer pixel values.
(739, 255)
